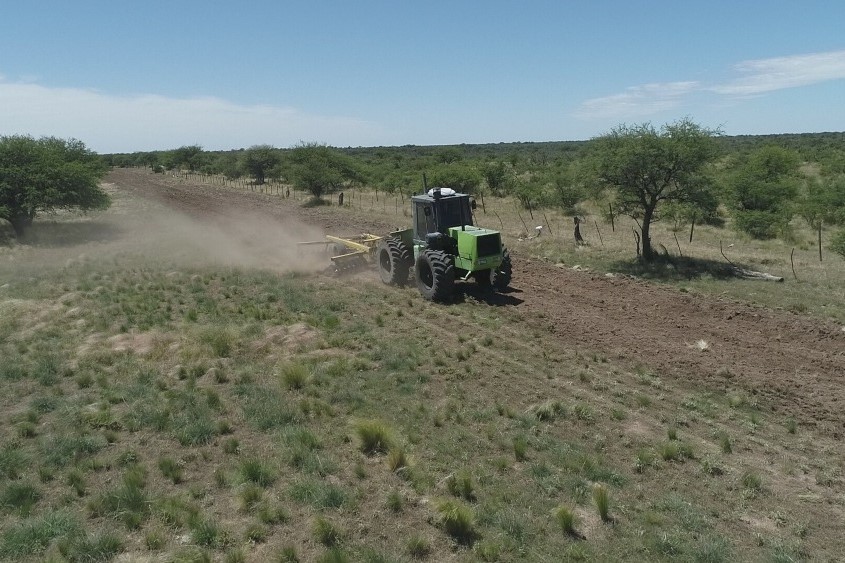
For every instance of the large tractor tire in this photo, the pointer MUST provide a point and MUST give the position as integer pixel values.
(435, 272)
(500, 277)
(394, 261)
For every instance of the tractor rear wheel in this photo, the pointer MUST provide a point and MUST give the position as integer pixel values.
(394, 259)
(435, 274)
(500, 276)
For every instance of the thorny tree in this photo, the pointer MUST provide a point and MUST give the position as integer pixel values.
(646, 168)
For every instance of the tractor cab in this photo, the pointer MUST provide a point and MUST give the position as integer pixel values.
(437, 211)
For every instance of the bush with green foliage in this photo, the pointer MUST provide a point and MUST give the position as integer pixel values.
(46, 175)
(837, 243)
(764, 186)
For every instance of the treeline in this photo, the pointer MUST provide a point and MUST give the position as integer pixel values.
(761, 183)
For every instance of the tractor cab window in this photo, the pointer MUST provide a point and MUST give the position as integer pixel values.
(453, 212)
(424, 217)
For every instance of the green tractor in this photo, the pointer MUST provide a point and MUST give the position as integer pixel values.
(443, 247)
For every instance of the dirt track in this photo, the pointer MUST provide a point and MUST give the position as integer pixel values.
(793, 364)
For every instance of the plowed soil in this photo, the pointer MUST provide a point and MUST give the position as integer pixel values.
(793, 364)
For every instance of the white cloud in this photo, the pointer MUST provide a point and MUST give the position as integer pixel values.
(637, 101)
(109, 123)
(767, 75)
(758, 77)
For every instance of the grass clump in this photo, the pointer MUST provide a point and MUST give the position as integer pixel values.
(294, 375)
(418, 547)
(272, 514)
(461, 485)
(318, 494)
(566, 520)
(128, 503)
(288, 555)
(394, 501)
(725, 442)
(32, 536)
(256, 533)
(675, 451)
(251, 495)
(520, 448)
(457, 520)
(206, 533)
(791, 425)
(752, 481)
(396, 459)
(20, 497)
(549, 410)
(326, 533)
(254, 471)
(101, 547)
(171, 469)
(601, 498)
(155, 540)
(375, 436)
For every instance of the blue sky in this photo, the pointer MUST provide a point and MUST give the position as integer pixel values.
(128, 76)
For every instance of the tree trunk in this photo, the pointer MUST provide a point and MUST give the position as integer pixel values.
(21, 222)
(648, 252)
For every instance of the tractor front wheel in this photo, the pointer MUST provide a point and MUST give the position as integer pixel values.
(435, 274)
(393, 258)
(500, 276)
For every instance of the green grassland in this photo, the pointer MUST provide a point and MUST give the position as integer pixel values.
(193, 414)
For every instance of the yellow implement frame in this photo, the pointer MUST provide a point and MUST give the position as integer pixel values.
(360, 249)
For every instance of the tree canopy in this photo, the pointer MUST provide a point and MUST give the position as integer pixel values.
(645, 167)
(320, 169)
(45, 175)
(259, 160)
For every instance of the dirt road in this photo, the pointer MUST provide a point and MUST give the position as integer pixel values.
(793, 364)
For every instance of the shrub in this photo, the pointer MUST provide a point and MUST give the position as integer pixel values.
(837, 243)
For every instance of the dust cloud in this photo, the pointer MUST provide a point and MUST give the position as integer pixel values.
(145, 232)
